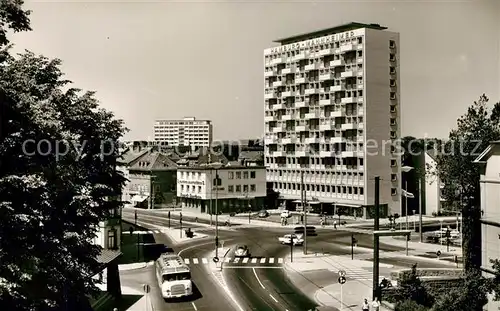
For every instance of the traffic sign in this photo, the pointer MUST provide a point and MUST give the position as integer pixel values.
(341, 273)
(342, 280)
(146, 288)
(216, 259)
(438, 253)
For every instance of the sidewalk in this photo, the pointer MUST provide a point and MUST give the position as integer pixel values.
(134, 266)
(423, 247)
(177, 236)
(316, 277)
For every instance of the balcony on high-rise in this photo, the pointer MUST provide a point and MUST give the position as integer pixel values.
(349, 126)
(301, 104)
(311, 90)
(348, 73)
(269, 118)
(330, 126)
(327, 76)
(337, 113)
(337, 140)
(269, 73)
(312, 115)
(277, 83)
(348, 47)
(348, 100)
(279, 153)
(289, 140)
(278, 60)
(278, 107)
(288, 93)
(327, 154)
(269, 95)
(326, 52)
(288, 117)
(337, 63)
(301, 128)
(311, 140)
(326, 102)
(300, 80)
(312, 66)
(278, 129)
(288, 70)
(301, 56)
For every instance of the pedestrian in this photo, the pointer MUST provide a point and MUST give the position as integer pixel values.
(334, 224)
(375, 304)
(366, 306)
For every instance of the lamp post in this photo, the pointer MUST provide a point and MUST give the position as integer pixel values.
(406, 194)
(217, 183)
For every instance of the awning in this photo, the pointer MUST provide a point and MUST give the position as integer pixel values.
(139, 198)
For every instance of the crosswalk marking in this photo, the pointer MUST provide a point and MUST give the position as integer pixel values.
(250, 260)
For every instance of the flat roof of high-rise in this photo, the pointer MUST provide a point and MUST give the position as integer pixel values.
(328, 31)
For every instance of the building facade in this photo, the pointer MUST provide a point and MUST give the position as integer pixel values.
(433, 186)
(332, 113)
(489, 161)
(232, 188)
(185, 132)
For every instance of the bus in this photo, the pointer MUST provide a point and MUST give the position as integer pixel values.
(174, 276)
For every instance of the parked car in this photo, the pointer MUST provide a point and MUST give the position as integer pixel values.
(263, 214)
(242, 251)
(298, 239)
(286, 214)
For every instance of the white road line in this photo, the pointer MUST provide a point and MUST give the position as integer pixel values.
(280, 260)
(204, 260)
(186, 261)
(263, 260)
(245, 260)
(276, 300)
(271, 260)
(236, 260)
(228, 259)
(195, 261)
(254, 260)
(262, 285)
(194, 306)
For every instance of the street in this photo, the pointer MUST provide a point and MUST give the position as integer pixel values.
(259, 282)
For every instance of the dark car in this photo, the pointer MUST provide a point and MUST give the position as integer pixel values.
(263, 214)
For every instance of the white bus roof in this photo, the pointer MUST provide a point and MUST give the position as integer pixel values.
(172, 263)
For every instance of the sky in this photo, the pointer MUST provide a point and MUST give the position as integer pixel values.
(149, 60)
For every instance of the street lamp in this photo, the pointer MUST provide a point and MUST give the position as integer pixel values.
(405, 193)
(217, 183)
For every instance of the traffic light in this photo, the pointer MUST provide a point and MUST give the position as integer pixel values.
(216, 241)
(354, 241)
(168, 215)
(180, 216)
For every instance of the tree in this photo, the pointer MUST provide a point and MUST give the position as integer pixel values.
(14, 17)
(58, 179)
(410, 287)
(409, 305)
(471, 295)
(455, 167)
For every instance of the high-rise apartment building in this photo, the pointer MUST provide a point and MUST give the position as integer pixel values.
(332, 115)
(185, 132)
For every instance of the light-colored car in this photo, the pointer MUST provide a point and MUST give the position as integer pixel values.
(298, 239)
(242, 251)
(286, 214)
(263, 214)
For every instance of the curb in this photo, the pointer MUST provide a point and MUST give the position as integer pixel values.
(134, 266)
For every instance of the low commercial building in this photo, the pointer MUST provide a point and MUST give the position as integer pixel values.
(228, 188)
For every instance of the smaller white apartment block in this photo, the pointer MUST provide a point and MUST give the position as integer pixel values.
(185, 132)
(489, 161)
(235, 182)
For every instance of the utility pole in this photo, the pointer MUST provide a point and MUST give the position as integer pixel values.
(216, 213)
(135, 218)
(151, 190)
(420, 233)
(303, 194)
(376, 227)
(291, 247)
(406, 202)
(353, 240)
(211, 190)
